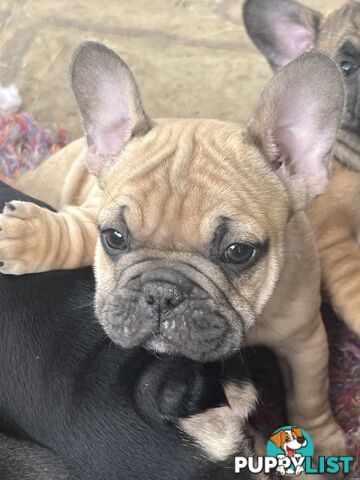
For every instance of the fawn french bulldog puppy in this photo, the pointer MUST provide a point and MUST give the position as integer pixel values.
(201, 239)
(282, 30)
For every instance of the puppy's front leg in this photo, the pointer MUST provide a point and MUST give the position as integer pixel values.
(304, 362)
(35, 239)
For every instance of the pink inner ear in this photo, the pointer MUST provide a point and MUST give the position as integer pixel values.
(293, 39)
(108, 139)
(298, 135)
(110, 123)
(303, 145)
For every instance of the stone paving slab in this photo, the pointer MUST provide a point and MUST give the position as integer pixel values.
(192, 58)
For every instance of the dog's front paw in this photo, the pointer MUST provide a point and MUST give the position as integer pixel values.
(22, 239)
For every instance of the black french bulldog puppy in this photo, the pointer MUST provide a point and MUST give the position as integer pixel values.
(25, 460)
(73, 405)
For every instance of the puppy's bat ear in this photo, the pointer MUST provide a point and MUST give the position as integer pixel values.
(281, 29)
(175, 387)
(296, 121)
(109, 102)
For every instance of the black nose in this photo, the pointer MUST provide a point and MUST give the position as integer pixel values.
(301, 440)
(163, 296)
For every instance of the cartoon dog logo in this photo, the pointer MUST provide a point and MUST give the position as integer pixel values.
(290, 441)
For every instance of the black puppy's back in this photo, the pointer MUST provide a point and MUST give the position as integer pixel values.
(24, 460)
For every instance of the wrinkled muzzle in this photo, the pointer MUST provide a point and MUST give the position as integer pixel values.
(167, 310)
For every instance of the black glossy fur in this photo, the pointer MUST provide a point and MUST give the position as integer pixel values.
(98, 409)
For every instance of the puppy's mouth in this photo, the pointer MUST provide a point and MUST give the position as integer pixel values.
(198, 332)
(164, 311)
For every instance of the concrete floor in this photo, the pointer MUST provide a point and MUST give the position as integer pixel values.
(191, 58)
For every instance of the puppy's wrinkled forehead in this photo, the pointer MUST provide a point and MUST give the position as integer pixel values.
(340, 28)
(177, 185)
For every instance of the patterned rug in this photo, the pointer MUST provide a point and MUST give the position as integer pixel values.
(24, 144)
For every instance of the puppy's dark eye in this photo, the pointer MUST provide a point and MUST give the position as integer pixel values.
(348, 67)
(239, 253)
(113, 240)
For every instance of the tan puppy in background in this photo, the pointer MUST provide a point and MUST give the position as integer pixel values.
(198, 224)
(282, 30)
